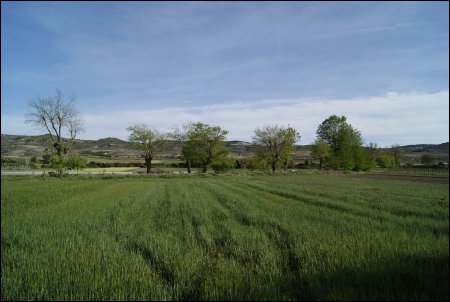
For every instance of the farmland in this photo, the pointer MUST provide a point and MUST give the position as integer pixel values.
(296, 236)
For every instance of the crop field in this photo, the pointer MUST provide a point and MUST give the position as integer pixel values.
(241, 237)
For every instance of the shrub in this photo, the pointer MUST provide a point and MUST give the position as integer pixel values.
(223, 164)
(255, 163)
(385, 161)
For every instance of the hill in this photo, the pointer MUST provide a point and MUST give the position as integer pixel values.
(110, 147)
(114, 148)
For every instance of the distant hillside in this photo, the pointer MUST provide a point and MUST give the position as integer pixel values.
(110, 147)
(21, 145)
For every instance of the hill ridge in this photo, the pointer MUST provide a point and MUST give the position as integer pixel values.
(34, 145)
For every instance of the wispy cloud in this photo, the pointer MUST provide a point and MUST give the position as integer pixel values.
(410, 118)
(288, 62)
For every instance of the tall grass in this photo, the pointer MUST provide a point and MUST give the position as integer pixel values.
(300, 237)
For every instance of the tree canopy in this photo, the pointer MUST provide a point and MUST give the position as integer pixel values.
(205, 144)
(320, 151)
(345, 143)
(150, 140)
(275, 143)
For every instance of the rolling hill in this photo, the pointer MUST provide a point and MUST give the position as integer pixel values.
(114, 148)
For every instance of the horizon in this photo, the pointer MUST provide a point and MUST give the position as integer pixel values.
(238, 65)
(111, 137)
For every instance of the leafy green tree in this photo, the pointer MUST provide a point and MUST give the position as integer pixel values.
(275, 143)
(320, 151)
(362, 159)
(181, 135)
(150, 140)
(345, 143)
(348, 143)
(428, 159)
(205, 144)
(385, 161)
(76, 162)
(328, 131)
(59, 164)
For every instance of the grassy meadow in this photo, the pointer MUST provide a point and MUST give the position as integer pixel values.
(241, 237)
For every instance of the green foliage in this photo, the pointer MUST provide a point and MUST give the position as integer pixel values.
(151, 141)
(205, 144)
(363, 161)
(345, 143)
(385, 161)
(46, 158)
(275, 144)
(256, 163)
(58, 163)
(328, 131)
(76, 162)
(287, 237)
(320, 151)
(223, 164)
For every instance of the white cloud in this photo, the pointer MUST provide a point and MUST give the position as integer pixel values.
(404, 118)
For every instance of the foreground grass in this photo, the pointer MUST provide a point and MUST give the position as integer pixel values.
(298, 237)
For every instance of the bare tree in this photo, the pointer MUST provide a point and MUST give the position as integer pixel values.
(150, 140)
(372, 149)
(397, 152)
(59, 117)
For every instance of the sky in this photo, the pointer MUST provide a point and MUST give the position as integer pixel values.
(238, 65)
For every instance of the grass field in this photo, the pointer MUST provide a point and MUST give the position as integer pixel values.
(287, 237)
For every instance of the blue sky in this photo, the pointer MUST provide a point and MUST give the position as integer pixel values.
(240, 65)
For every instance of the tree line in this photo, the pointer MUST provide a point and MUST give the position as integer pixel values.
(338, 145)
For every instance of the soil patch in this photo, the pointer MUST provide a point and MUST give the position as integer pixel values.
(420, 178)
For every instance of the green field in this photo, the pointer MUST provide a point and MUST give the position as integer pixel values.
(247, 237)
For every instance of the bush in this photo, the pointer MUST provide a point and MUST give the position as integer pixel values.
(255, 163)
(46, 158)
(223, 164)
(385, 161)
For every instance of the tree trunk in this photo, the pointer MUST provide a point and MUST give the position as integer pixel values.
(188, 163)
(320, 164)
(149, 165)
(59, 148)
(274, 165)
(205, 166)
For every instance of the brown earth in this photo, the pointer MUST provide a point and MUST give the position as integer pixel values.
(419, 178)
